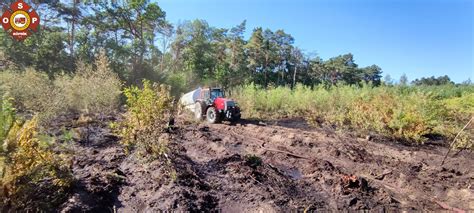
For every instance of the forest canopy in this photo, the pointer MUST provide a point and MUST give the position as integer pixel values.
(140, 43)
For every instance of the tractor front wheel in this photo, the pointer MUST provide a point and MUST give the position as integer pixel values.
(212, 115)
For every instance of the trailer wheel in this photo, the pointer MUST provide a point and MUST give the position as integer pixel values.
(212, 115)
(198, 115)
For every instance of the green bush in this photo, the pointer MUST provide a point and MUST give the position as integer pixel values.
(31, 90)
(92, 90)
(178, 82)
(460, 110)
(29, 165)
(253, 161)
(149, 111)
(7, 118)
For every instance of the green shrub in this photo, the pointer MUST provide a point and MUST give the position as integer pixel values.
(178, 82)
(253, 161)
(31, 90)
(92, 90)
(460, 110)
(149, 111)
(28, 165)
(7, 118)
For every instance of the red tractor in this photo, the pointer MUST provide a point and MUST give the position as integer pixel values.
(210, 103)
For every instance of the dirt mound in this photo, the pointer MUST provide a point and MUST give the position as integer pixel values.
(265, 166)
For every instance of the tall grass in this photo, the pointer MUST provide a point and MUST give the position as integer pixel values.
(93, 89)
(404, 112)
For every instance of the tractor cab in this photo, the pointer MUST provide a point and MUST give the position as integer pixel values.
(212, 94)
(217, 93)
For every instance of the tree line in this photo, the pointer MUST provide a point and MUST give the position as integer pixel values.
(140, 43)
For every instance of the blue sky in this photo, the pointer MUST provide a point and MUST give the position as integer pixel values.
(416, 37)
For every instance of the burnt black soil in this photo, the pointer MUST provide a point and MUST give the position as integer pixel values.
(265, 166)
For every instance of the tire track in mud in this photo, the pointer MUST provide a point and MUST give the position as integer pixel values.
(385, 175)
(301, 168)
(96, 172)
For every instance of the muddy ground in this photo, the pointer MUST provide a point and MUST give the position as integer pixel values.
(267, 166)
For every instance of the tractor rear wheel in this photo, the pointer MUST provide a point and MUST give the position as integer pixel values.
(198, 109)
(213, 116)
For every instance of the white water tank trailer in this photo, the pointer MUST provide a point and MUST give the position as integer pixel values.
(189, 99)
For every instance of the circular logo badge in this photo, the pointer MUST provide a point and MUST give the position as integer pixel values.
(20, 20)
